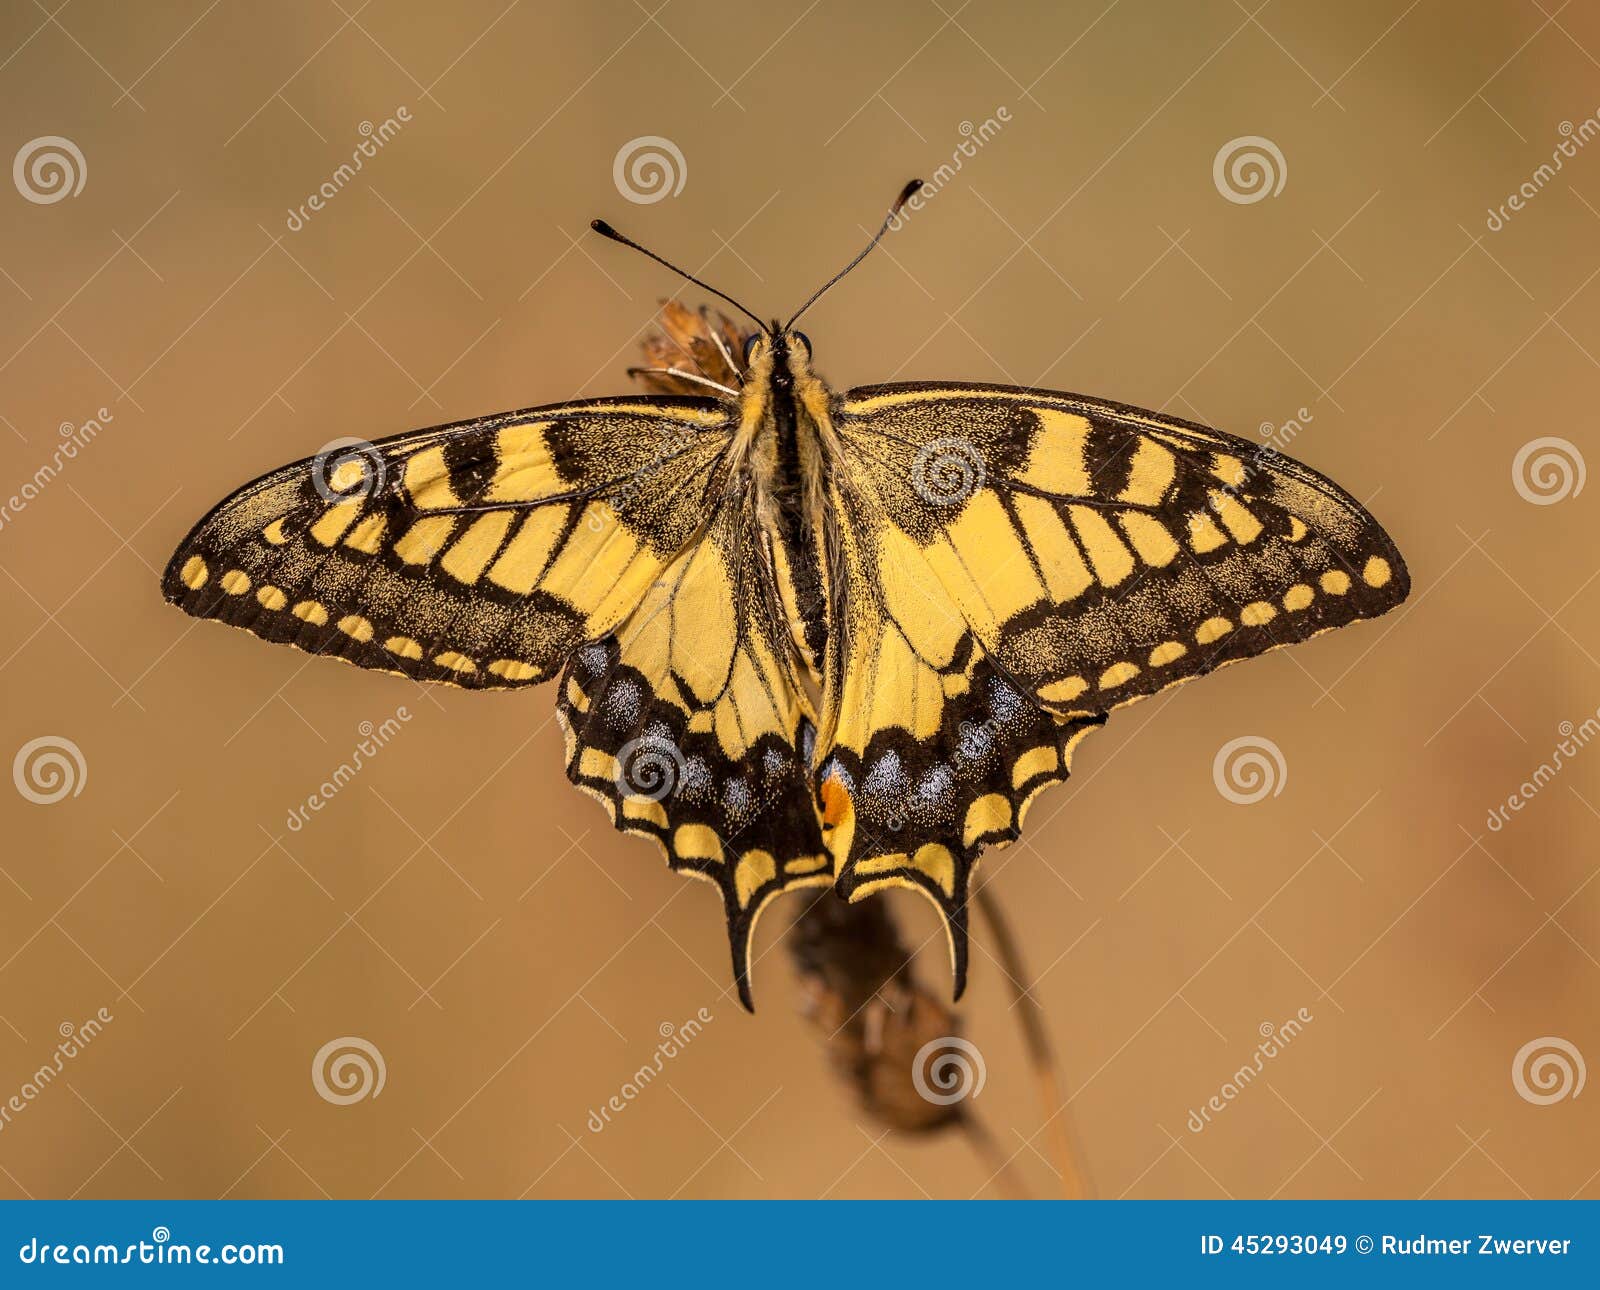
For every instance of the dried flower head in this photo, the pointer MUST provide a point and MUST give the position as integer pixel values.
(874, 1016)
(689, 348)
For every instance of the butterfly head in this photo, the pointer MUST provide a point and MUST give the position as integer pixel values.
(779, 358)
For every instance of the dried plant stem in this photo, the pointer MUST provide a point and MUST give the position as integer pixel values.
(1075, 1183)
(1005, 1179)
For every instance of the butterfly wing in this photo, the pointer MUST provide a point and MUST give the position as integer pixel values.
(601, 535)
(479, 554)
(1024, 562)
(688, 723)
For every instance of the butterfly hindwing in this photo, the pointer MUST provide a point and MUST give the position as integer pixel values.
(479, 554)
(932, 752)
(687, 724)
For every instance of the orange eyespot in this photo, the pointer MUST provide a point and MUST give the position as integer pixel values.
(836, 803)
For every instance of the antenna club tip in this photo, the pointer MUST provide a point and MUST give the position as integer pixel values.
(602, 228)
(908, 192)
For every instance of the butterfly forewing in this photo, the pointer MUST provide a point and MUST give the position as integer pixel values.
(1101, 553)
(479, 554)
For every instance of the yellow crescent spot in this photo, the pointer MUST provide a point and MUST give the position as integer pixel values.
(513, 669)
(1042, 760)
(1298, 596)
(641, 808)
(937, 862)
(576, 697)
(697, 842)
(271, 598)
(274, 532)
(1377, 572)
(1118, 673)
(1335, 582)
(1257, 613)
(404, 646)
(991, 813)
(1064, 690)
(311, 612)
(455, 662)
(194, 573)
(236, 582)
(1212, 629)
(754, 870)
(1167, 652)
(356, 627)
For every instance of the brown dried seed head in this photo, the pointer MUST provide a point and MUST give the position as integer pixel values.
(872, 1015)
(684, 340)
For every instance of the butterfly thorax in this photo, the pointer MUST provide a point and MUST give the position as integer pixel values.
(782, 445)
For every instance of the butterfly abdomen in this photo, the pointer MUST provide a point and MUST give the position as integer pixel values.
(797, 555)
(804, 600)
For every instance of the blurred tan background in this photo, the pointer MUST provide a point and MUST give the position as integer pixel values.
(469, 915)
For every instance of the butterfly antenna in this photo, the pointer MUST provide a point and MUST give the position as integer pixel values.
(906, 194)
(605, 230)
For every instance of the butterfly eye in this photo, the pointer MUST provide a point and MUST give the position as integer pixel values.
(804, 340)
(750, 347)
